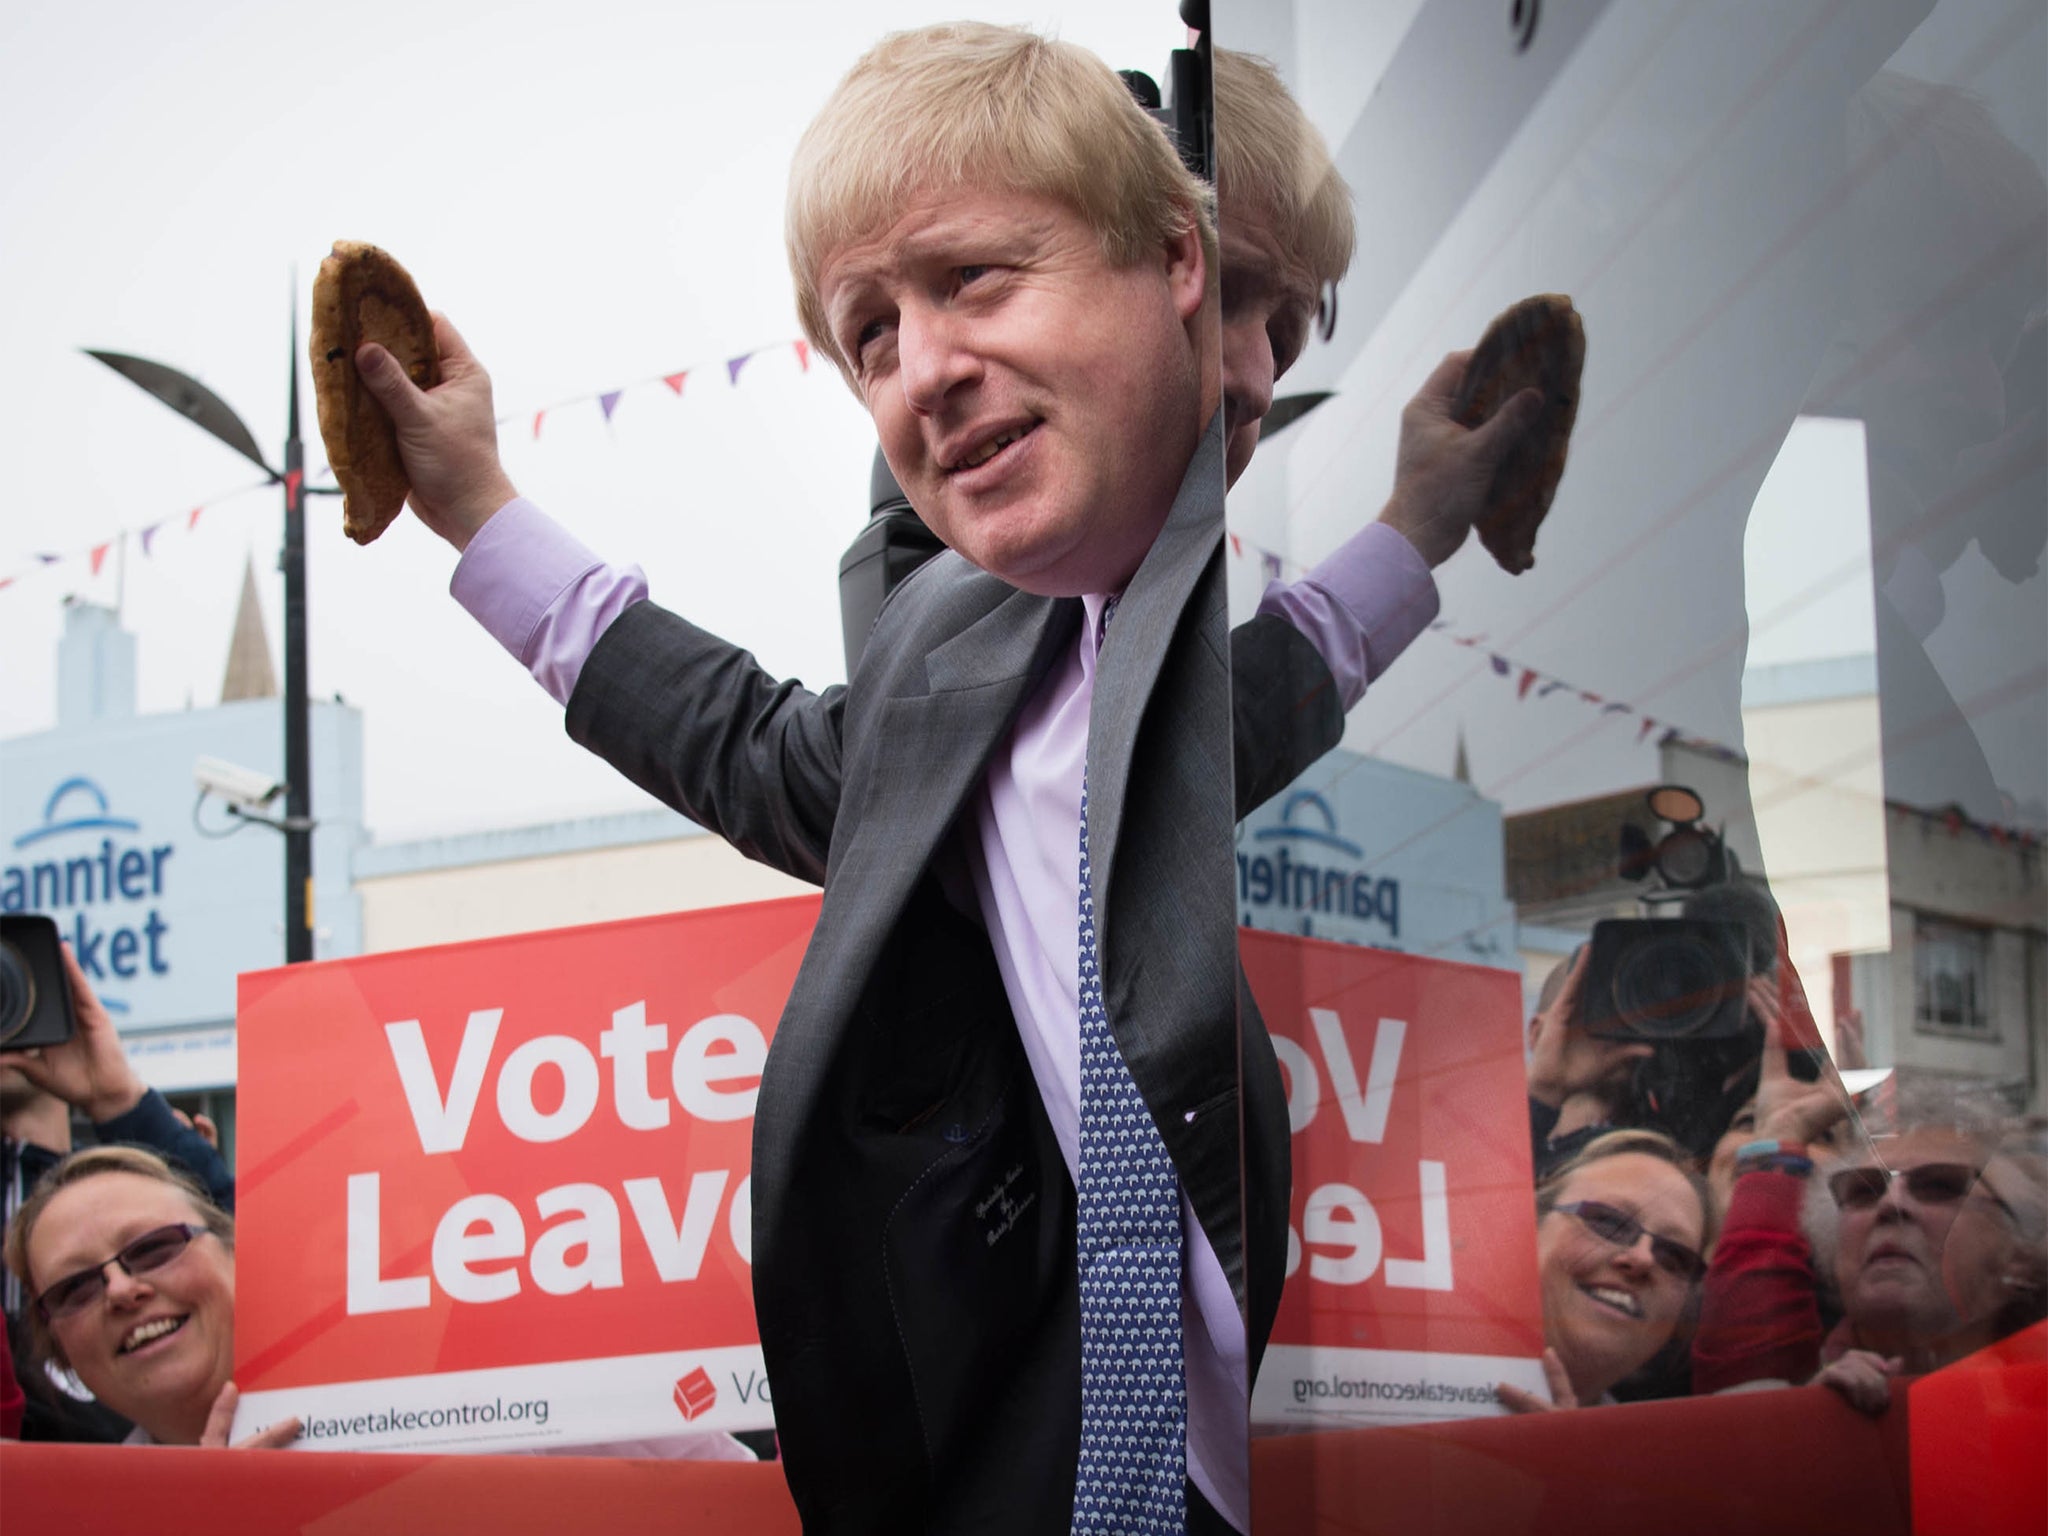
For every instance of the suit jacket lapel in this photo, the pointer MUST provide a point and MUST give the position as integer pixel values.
(941, 715)
(1150, 611)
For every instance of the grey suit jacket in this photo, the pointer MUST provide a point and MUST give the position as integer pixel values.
(913, 1218)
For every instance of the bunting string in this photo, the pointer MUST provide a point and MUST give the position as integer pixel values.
(145, 535)
(607, 400)
(1532, 682)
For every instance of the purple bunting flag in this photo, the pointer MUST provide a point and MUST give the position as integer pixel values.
(1498, 663)
(733, 365)
(609, 402)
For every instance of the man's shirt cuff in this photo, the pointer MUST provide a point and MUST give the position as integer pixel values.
(541, 594)
(1361, 608)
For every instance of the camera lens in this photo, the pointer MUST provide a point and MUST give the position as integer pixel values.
(17, 992)
(1674, 986)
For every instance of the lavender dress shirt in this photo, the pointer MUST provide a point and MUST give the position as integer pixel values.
(547, 600)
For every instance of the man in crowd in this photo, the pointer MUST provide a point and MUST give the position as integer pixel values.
(997, 1149)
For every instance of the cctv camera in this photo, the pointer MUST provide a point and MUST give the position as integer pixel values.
(243, 788)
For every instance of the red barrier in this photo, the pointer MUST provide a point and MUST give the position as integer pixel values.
(1781, 1463)
(1980, 1442)
(86, 1490)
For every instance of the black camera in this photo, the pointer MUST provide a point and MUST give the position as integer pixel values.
(1681, 984)
(35, 999)
(1666, 979)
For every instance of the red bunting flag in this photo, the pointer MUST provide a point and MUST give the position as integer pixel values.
(5, 582)
(99, 556)
(1591, 698)
(1522, 687)
(609, 402)
(538, 418)
(675, 381)
(1645, 728)
(803, 355)
(1237, 546)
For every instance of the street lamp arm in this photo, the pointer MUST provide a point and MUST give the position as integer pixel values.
(190, 399)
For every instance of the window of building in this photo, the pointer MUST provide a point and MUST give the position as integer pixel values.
(1952, 980)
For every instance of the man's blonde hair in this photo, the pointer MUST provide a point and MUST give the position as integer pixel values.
(1271, 161)
(971, 107)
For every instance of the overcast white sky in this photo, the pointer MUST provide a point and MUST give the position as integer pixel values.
(592, 192)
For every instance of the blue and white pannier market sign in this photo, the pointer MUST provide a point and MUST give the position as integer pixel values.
(165, 902)
(1367, 852)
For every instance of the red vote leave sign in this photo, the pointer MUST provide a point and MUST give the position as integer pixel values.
(1412, 1285)
(495, 1195)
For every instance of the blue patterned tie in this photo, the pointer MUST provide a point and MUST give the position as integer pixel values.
(1133, 1393)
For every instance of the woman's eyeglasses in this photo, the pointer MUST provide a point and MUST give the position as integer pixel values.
(1858, 1189)
(1624, 1231)
(149, 1252)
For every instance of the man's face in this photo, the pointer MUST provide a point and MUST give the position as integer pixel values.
(1037, 405)
(1269, 302)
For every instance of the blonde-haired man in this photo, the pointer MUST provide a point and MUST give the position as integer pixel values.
(1003, 256)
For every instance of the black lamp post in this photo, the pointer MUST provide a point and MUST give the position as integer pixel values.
(206, 410)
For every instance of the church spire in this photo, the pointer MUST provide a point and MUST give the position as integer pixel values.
(250, 673)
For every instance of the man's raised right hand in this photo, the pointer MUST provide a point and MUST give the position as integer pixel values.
(447, 435)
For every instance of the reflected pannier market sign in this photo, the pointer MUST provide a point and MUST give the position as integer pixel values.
(494, 1195)
(1411, 1254)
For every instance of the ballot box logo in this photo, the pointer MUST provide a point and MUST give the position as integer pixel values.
(695, 1393)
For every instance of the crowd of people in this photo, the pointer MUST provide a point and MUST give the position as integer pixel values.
(1815, 1239)
(1814, 1243)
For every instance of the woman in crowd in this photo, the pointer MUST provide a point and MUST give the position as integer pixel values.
(132, 1271)
(1621, 1230)
(132, 1274)
(1935, 1241)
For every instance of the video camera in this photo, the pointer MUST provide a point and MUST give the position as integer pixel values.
(35, 999)
(1681, 983)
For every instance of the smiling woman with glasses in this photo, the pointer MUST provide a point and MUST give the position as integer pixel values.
(1621, 1235)
(133, 1273)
